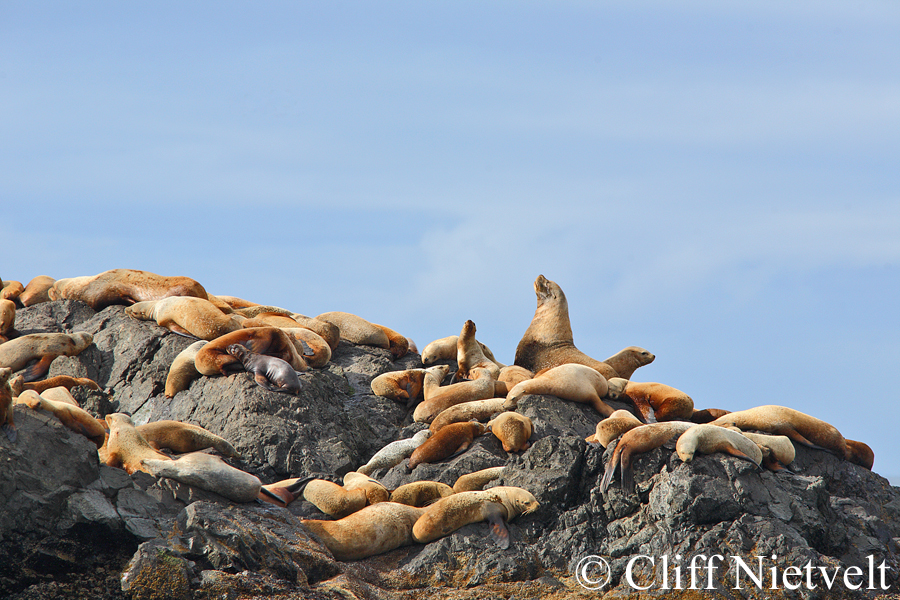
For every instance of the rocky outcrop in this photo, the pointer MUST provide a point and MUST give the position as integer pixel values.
(72, 527)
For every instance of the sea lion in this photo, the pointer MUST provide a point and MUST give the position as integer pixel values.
(123, 286)
(513, 430)
(476, 481)
(375, 491)
(431, 385)
(186, 315)
(707, 415)
(234, 302)
(412, 345)
(125, 447)
(357, 330)
(42, 347)
(628, 360)
(214, 359)
(329, 332)
(6, 401)
(7, 318)
(207, 472)
(446, 349)
(283, 492)
(36, 291)
(339, 501)
(457, 393)
(397, 344)
(800, 427)
(658, 400)
(612, 427)
(496, 505)
(404, 386)
(638, 441)
(11, 290)
(394, 453)
(777, 450)
(420, 493)
(548, 341)
(182, 370)
(572, 381)
(60, 394)
(18, 383)
(513, 375)
(183, 437)
(372, 530)
(708, 439)
(470, 358)
(316, 351)
(450, 440)
(859, 453)
(269, 372)
(477, 410)
(326, 332)
(73, 417)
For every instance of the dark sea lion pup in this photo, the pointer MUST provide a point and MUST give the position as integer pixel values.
(270, 372)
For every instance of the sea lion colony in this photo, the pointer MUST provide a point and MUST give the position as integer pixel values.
(274, 344)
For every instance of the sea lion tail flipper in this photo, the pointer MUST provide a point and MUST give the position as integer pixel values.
(10, 430)
(38, 369)
(179, 330)
(261, 380)
(263, 491)
(307, 351)
(297, 487)
(738, 454)
(609, 473)
(493, 514)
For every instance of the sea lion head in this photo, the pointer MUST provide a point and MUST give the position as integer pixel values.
(616, 387)
(516, 501)
(141, 310)
(82, 340)
(547, 290)
(5, 374)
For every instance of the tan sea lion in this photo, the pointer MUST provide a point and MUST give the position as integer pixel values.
(446, 349)
(43, 348)
(397, 344)
(311, 331)
(357, 330)
(470, 358)
(329, 332)
(658, 400)
(420, 493)
(375, 491)
(612, 427)
(36, 291)
(372, 530)
(404, 386)
(186, 315)
(628, 360)
(431, 385)
(457, 393)
(450, 440)
(183, 437)
(123, 286)
(573, 382)
(548, 341)
(125, 447)
(315, 350)
(214, 359)
(207, 472)
(513, 430)
(7, 318)
(234, 302)
(412, 345)
(73, 417)
(269, 372)
(339, 501)
(638, 441)
(478, 410)
(182, 370)
(513, 375)
(708, 439)
(496, 505)
(777, 450)
(394, 453)
(18, 383)
(60, 394)
(6, 402)
(11, 290)
(471, 482)
(800, 427)
(707, 415)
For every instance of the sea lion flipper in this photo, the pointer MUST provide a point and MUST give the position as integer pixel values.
(738, 454)
(307, 351)
(493, 514)
(264, 382)
(608, 474)
(38, 369)
(11, 434)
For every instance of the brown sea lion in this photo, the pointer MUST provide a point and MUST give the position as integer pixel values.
(404, 386)
(375, 491)
(123, 286)
(186, 315)
(477, 410)
(18, 383)
(709, 439)
(214, 359)
(470, 358)
(341, 500)
(471, 482)
(397, 344)
(6, 402)
(316, 351)
(707, 415)
(653, 400)
(548, 341)
(183, 437)
(182, 371)
(207, 472)
(496, 505)
(11, 290)
(372, 530)
(638, 441)
(450, 440)
(612, 427)
(36, 291)
(446, 349)
(125, 447)
(457, 393)
(572, 381)
(321, 337)
(357, 330)
(513, 430)
(73, 417)
(420, 493)
(269, 372)
(43, 348)
(7, 318)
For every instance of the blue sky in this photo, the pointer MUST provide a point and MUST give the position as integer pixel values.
(714, 181)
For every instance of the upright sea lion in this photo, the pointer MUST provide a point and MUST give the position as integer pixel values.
(372, 530)
(446, 349)
(513, 430)
(548, 341)
(658, 400)
(6, 401)
(495, 505)
(207, 472)
(420, 493)
(447, 442)
(7, 318)
(36, 291)
(572, 381)
(357, 330)
(638, 441)
(123, 286)
(470, 358)
(214, 359)
(42, 347)
(457, 393)
(183, 371)
(478, 410)
(269, 372)
(126, 448)
(183, 437)
(800, 427)
(394, 453)
(613, 426)
(73, 417)
(709, 439)
(186, 315)
(471, 482)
